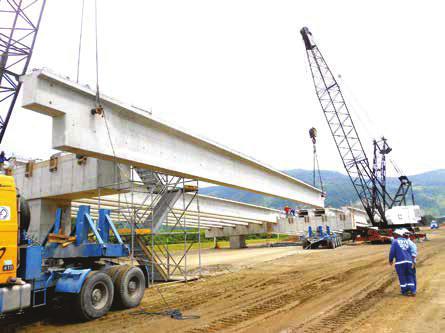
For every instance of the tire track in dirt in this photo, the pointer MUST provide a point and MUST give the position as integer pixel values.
(330, 283)
(336, 319)
(289, 297)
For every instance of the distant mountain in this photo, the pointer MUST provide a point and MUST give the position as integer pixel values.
(429, 190)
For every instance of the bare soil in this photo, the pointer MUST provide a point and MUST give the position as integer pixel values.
(351, 288)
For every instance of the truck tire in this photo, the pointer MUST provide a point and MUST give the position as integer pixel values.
(130, 287)
(96, 296)
(113, 272)
(25, 214)
(331, 244)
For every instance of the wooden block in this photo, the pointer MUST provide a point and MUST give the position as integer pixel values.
(127, 232)
(190, 188)
(67, 243)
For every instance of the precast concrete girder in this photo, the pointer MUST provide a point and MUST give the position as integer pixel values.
(139, 139)
(170, 221)
(192, 219)
(216, 214)
(238, 230)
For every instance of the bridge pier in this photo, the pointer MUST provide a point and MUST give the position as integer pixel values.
(238, 242)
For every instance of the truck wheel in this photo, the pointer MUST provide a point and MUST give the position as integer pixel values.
(113, 272)
(130, 287)
(95, 297)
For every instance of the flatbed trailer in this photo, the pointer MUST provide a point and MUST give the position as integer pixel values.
(77, 268)
(328, 239)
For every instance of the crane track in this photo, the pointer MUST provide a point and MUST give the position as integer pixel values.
(337, 319)
(287, 298)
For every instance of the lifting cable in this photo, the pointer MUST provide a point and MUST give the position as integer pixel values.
(80, 41)
(99, 110)
(172, 313)
(98, 107)
(316, 166)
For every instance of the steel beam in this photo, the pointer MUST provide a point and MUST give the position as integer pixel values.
(133, 136)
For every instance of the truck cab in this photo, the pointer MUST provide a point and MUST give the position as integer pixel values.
(9, 230)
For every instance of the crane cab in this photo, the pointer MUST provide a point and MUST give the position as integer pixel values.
(9, 229)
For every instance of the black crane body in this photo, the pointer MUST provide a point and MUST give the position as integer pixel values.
(369, 182)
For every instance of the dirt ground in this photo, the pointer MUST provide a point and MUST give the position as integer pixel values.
(351, 288)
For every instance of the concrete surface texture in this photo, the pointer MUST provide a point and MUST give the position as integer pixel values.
(346, 218)
(72, 183)
(83, 183)
(214, 212)
(142, 140)
(71, 180)
(349, 289)
(77, 182)
(43, 214)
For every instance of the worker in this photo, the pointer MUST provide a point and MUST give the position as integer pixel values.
(404, 251)
(3, 159)
(287, 210)
(413, 249)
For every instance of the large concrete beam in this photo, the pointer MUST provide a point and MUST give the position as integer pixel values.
(81, 184)
(141, 140)
(250, 229)
(237, 210)
(43, 214)
(70, 180)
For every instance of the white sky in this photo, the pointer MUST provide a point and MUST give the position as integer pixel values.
(236, 72)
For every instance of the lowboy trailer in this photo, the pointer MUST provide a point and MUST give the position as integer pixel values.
(76, 267)
(320, 238)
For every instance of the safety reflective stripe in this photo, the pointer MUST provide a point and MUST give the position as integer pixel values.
(407, 284)
(405, 261)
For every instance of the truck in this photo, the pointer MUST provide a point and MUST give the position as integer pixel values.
(78, 267)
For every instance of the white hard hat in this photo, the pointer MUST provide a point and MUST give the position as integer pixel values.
(401, 231)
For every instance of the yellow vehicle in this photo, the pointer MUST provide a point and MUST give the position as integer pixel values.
(75, 271)
(9, 230)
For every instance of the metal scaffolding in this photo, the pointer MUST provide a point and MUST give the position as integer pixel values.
(153, 213)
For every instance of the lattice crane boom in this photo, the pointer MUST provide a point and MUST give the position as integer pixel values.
(344, 132)
(19, 24)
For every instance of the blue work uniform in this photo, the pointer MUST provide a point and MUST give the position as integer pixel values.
(404, 251)
(413, 249)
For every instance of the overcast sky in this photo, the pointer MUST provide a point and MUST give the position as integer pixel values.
(236, 72)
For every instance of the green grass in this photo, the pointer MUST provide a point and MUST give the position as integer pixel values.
(206, 244)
